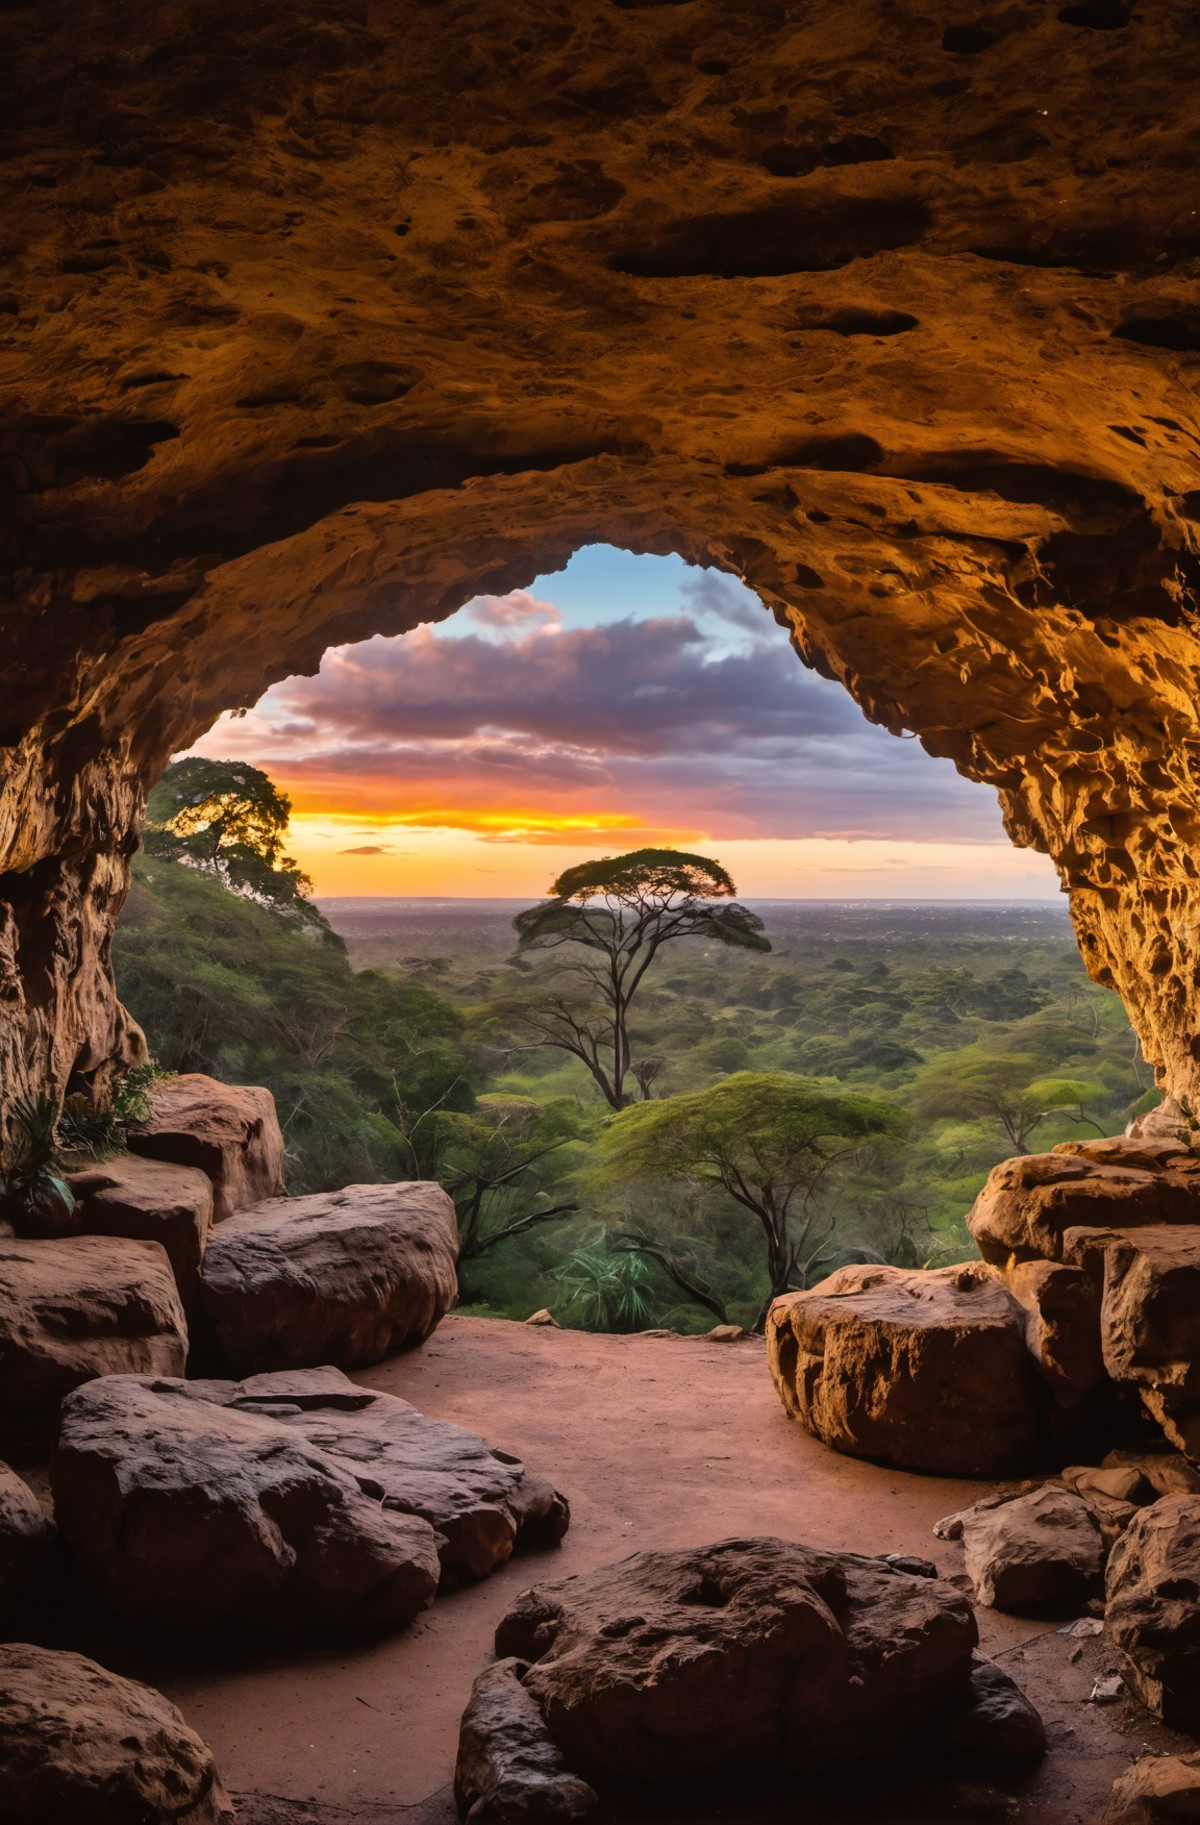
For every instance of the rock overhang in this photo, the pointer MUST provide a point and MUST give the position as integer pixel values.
(320, 320)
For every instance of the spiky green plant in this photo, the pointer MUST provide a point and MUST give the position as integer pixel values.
(33, 1197)
(605, 1291)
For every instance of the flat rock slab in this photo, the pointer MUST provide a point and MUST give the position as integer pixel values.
(1028, 1204)
(81, 1746)
(1041, 1548)
(344, 1277)
(230, 1132)
(73, 1309)
(181, 1513)
(924, 1371)
(752, 1654)
(153, 1201)
(483, 1503)
(291, 1501)
(1153, 1608)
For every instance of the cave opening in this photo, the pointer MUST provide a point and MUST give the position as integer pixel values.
(334, 336)
(440, 780)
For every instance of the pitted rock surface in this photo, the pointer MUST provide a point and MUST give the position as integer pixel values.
(923, 1370)
(228, 1131)
(77, 1308)
(1150, 1318)
(1157, 1790)
(749, 1654)
(344, 1277)
(78, 1743)
(183, 1514)
(318, 321)
(483, 1502)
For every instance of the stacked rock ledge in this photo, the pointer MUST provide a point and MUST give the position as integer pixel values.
(1088, 1291)
(76, 1308)
(230, 1132)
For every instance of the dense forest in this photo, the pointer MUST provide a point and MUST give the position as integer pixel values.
(851, 1085)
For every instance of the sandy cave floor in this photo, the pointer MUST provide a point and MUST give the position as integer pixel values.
(657, 1441)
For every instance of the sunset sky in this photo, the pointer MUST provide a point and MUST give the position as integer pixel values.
(623, 701)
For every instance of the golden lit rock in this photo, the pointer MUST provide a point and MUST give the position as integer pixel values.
(318, 319)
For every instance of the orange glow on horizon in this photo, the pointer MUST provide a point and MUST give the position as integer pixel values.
(350, 854)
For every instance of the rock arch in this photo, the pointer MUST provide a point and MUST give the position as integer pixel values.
(321, 318)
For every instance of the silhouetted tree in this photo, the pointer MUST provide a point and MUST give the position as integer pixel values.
(621, 910)
(230, 820)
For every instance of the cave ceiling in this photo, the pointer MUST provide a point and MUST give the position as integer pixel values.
(316, 319)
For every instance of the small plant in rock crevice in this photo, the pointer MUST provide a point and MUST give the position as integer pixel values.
(34, 1197)
(101, 1133)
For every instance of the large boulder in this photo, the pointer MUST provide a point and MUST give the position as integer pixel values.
(183, 1513)
(1157, 1790)
(1153, 1608)
(1028, 1204)
(342, 1277)
(925, 1371)
(1045, 1547)
(483, 1503)
(27, 1542)
(73, 1309)
(80, 1746)
(152, 1200)
(230, 1132)
(750, 1654)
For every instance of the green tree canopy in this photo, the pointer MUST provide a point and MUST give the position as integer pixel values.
(622, 910)
(1012, 1091)
(766, 1138)
(229, 819)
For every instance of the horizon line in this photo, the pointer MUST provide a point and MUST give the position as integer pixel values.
(762, 899)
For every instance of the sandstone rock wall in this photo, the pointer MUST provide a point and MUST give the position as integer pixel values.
(317, 319)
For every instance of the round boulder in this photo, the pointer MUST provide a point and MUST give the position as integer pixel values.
(922, 1370)
(27, 1542)
(80, 1744)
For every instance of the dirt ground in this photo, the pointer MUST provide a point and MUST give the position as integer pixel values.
(656, 1441)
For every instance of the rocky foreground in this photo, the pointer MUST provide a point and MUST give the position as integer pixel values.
(242, 1529)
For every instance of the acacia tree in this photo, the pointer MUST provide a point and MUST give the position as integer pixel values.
(1014, 1093)
(230, 820)
(620, 911)
(767, 1138)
